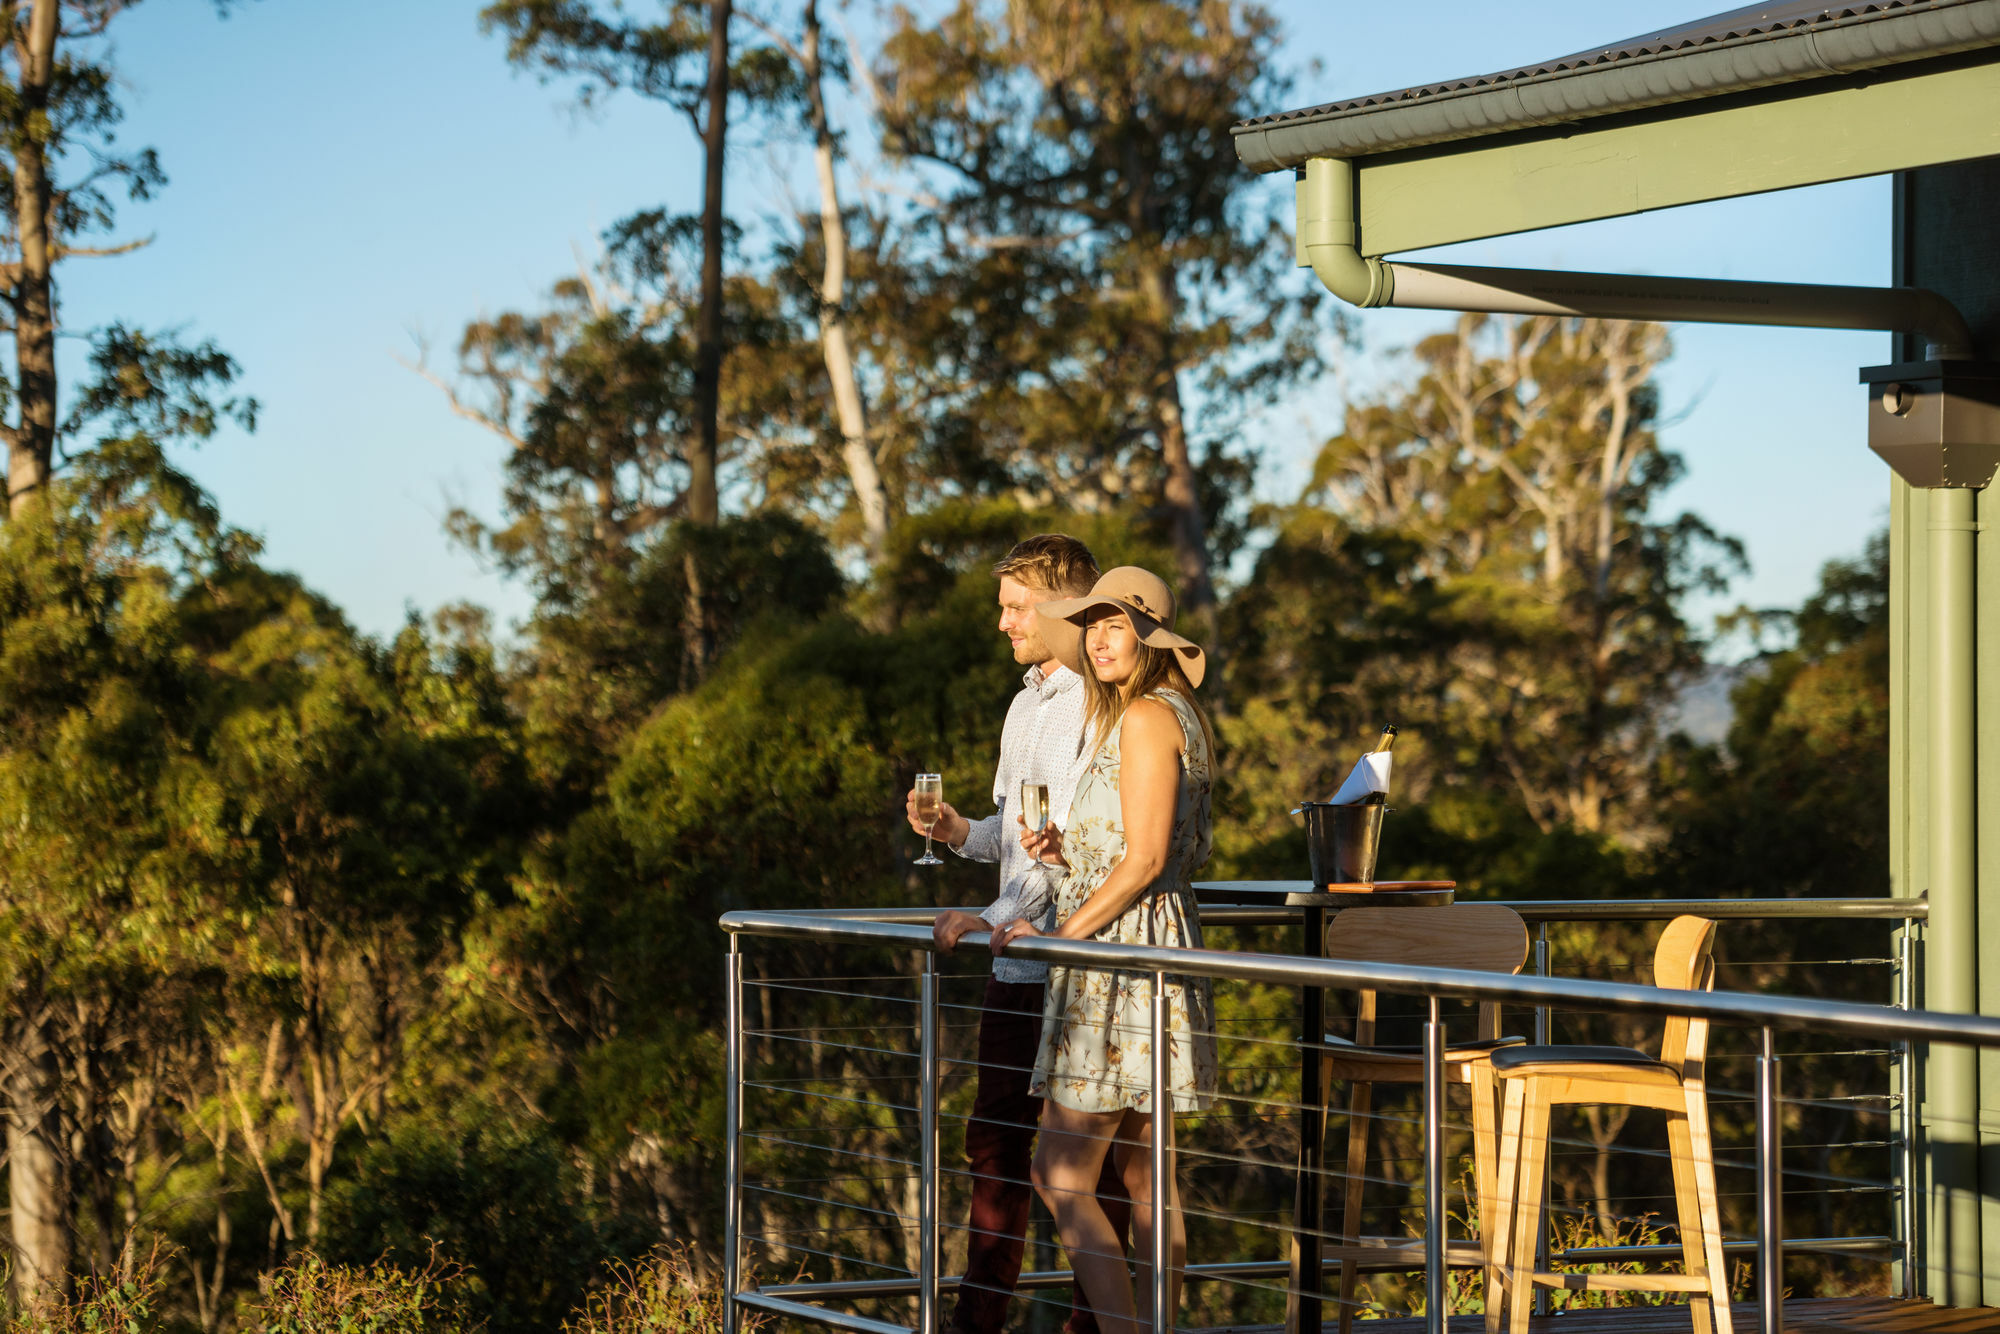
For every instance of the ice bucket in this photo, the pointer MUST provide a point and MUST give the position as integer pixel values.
(1341, 841)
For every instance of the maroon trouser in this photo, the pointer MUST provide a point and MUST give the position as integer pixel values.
(999, 1145)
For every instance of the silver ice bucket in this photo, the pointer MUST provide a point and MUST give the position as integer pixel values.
(1341, 841)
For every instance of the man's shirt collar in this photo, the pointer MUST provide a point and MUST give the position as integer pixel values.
(1050, 684)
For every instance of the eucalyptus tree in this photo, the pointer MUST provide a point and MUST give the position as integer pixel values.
(370, 793)
(1506, 504)
(59, 112)
(811, 51)
(1792, 801)
(684, 58)
(99, 718)
(1097, 136)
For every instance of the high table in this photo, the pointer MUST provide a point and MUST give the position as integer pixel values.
(1318, 902)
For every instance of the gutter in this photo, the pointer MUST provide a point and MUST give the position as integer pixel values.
(1864, 39)
(1328, 244)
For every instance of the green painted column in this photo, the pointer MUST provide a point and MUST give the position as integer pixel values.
(1945, 750)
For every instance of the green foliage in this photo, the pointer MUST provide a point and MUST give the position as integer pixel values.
(1139, 301)
(78, 122)
(99, 698)
(124, 1303)
(500, 1204)
(1793, 802)
(1477, 557)
(658, 1295)
(311, 1296)
(604, 48)
(145, 385)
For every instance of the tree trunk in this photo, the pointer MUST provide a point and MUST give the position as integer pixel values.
(703, 507)
(1188, 526)
(696, 644)
(1604, 1131)
(314, 1080)
(1183, 497)
(870, 496)
(31, 448)
(37, 1173)
(210, 1282)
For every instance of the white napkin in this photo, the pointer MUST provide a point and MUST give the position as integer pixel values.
(1371, 774)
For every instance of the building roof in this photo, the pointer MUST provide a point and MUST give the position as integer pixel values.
(1758, 46)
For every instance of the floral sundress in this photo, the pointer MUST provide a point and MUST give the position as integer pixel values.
(1096, 1053)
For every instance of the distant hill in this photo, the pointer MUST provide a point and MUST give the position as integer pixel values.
(1703, 711)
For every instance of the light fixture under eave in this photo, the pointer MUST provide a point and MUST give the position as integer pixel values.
(1936, 423)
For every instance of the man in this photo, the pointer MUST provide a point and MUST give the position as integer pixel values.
(1042, 742)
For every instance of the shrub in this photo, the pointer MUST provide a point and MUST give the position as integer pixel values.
(310, 1296)
(112, 1304)
(659, 1295)
(499, 1202)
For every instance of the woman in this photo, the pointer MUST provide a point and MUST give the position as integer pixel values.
(1138, 831)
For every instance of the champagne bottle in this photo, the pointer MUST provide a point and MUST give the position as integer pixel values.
(1382, 745)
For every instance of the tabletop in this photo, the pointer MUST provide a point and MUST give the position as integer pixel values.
(1305, 894)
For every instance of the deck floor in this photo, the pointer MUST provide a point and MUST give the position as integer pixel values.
(1819, 1315)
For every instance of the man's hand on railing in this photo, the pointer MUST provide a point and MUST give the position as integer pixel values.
(951, 926)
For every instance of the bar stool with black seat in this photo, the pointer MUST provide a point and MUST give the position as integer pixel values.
(1487, 937)
(1534, 1079)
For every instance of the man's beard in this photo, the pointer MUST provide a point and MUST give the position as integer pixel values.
(1031, 651)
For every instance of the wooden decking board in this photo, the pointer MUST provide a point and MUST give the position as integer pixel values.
(1820, 1315)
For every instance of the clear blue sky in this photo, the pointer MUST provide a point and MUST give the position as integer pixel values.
(344, 175)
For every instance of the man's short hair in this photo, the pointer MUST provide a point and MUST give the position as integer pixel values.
(1050, 563)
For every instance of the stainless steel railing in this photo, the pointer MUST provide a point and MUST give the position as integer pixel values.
(1763, 1014)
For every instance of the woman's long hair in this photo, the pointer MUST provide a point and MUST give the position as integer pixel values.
(1156, 669)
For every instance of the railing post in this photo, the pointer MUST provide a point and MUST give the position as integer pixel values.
(732, 1134)
(1908, 1216)
(1435, 1217)
(1770, 1195)
(1544, 1034)
(1163, 1129)
(927, 1127)
(1303, 1307)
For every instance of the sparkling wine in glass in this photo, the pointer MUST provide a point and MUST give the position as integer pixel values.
(1034, 805)
(930, 795)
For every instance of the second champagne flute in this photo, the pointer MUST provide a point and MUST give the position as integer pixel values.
(1034, 805)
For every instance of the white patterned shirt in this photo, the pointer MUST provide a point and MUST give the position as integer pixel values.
(1042, 742)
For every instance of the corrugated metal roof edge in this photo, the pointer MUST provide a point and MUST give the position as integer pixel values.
(1771, 21)
(1873, 41)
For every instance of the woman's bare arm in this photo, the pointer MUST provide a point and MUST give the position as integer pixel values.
(1148, 792)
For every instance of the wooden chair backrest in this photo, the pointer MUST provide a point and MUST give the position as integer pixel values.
(1487, 937)
(1685, 959)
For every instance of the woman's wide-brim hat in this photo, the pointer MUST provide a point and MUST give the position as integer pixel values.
(1141, 595)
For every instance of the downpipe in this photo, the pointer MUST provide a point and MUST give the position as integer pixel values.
(1951, 1081)
(1328, 237)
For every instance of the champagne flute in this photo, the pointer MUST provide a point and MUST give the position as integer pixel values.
(930, 795)
(1034, 805)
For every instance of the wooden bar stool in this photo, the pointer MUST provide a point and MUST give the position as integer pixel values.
(1535, 1079)
(1484, 936)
